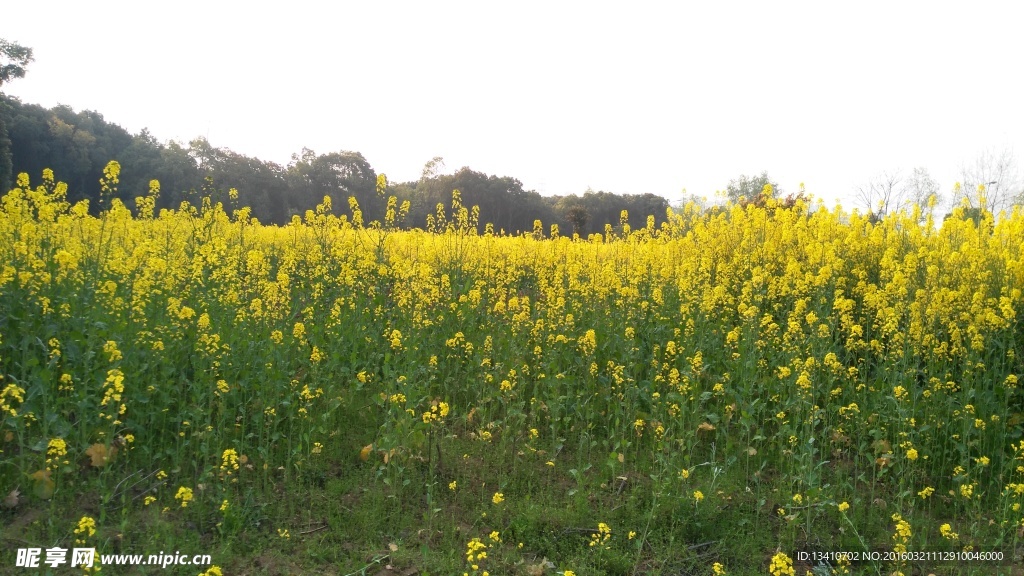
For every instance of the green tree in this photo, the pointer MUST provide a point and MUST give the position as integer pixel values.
(577, 216)
(749, 187)
(340, 175)
(75, 145)
(604, 208)
(6, 162)
(501, 199)
(14, 58)
(261, 185)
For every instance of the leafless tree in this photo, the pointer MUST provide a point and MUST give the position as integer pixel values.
(997, 173)
(892, 191)
(883, 194)
(920, 187)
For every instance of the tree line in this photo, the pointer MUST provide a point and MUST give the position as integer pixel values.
(77, 145)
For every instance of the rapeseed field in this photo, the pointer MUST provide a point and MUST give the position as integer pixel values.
(715, 395)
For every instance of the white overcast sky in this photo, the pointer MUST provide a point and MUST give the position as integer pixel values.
(625, 97)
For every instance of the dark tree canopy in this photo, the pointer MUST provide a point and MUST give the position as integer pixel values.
(338, 175)
(578, 216)
(77, 145)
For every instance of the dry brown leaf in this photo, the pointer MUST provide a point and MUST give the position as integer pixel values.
(44, 485)
(11, 501)
(881, 447)
(100, 455)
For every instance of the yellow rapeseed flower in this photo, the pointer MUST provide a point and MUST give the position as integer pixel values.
(229, 461)
(782, 565)
(86, 529)
(184, 495)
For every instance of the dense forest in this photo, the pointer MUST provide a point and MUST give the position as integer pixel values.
(77, 145)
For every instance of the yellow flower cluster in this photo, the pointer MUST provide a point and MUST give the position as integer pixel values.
(113, 389)
(782, 565)
(10, 394)
(588, 343)
(476, 552)
(437, 412)
(86, 529)
(110, 179)
(55, 451)
(602, 536)
(184, 495)
(317, 355)
(229, 461)
(902, 535)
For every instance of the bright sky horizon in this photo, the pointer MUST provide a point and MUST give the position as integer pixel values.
(653, 97)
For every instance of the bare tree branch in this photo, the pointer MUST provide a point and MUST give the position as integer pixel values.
(991, 182)
(883, 194)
